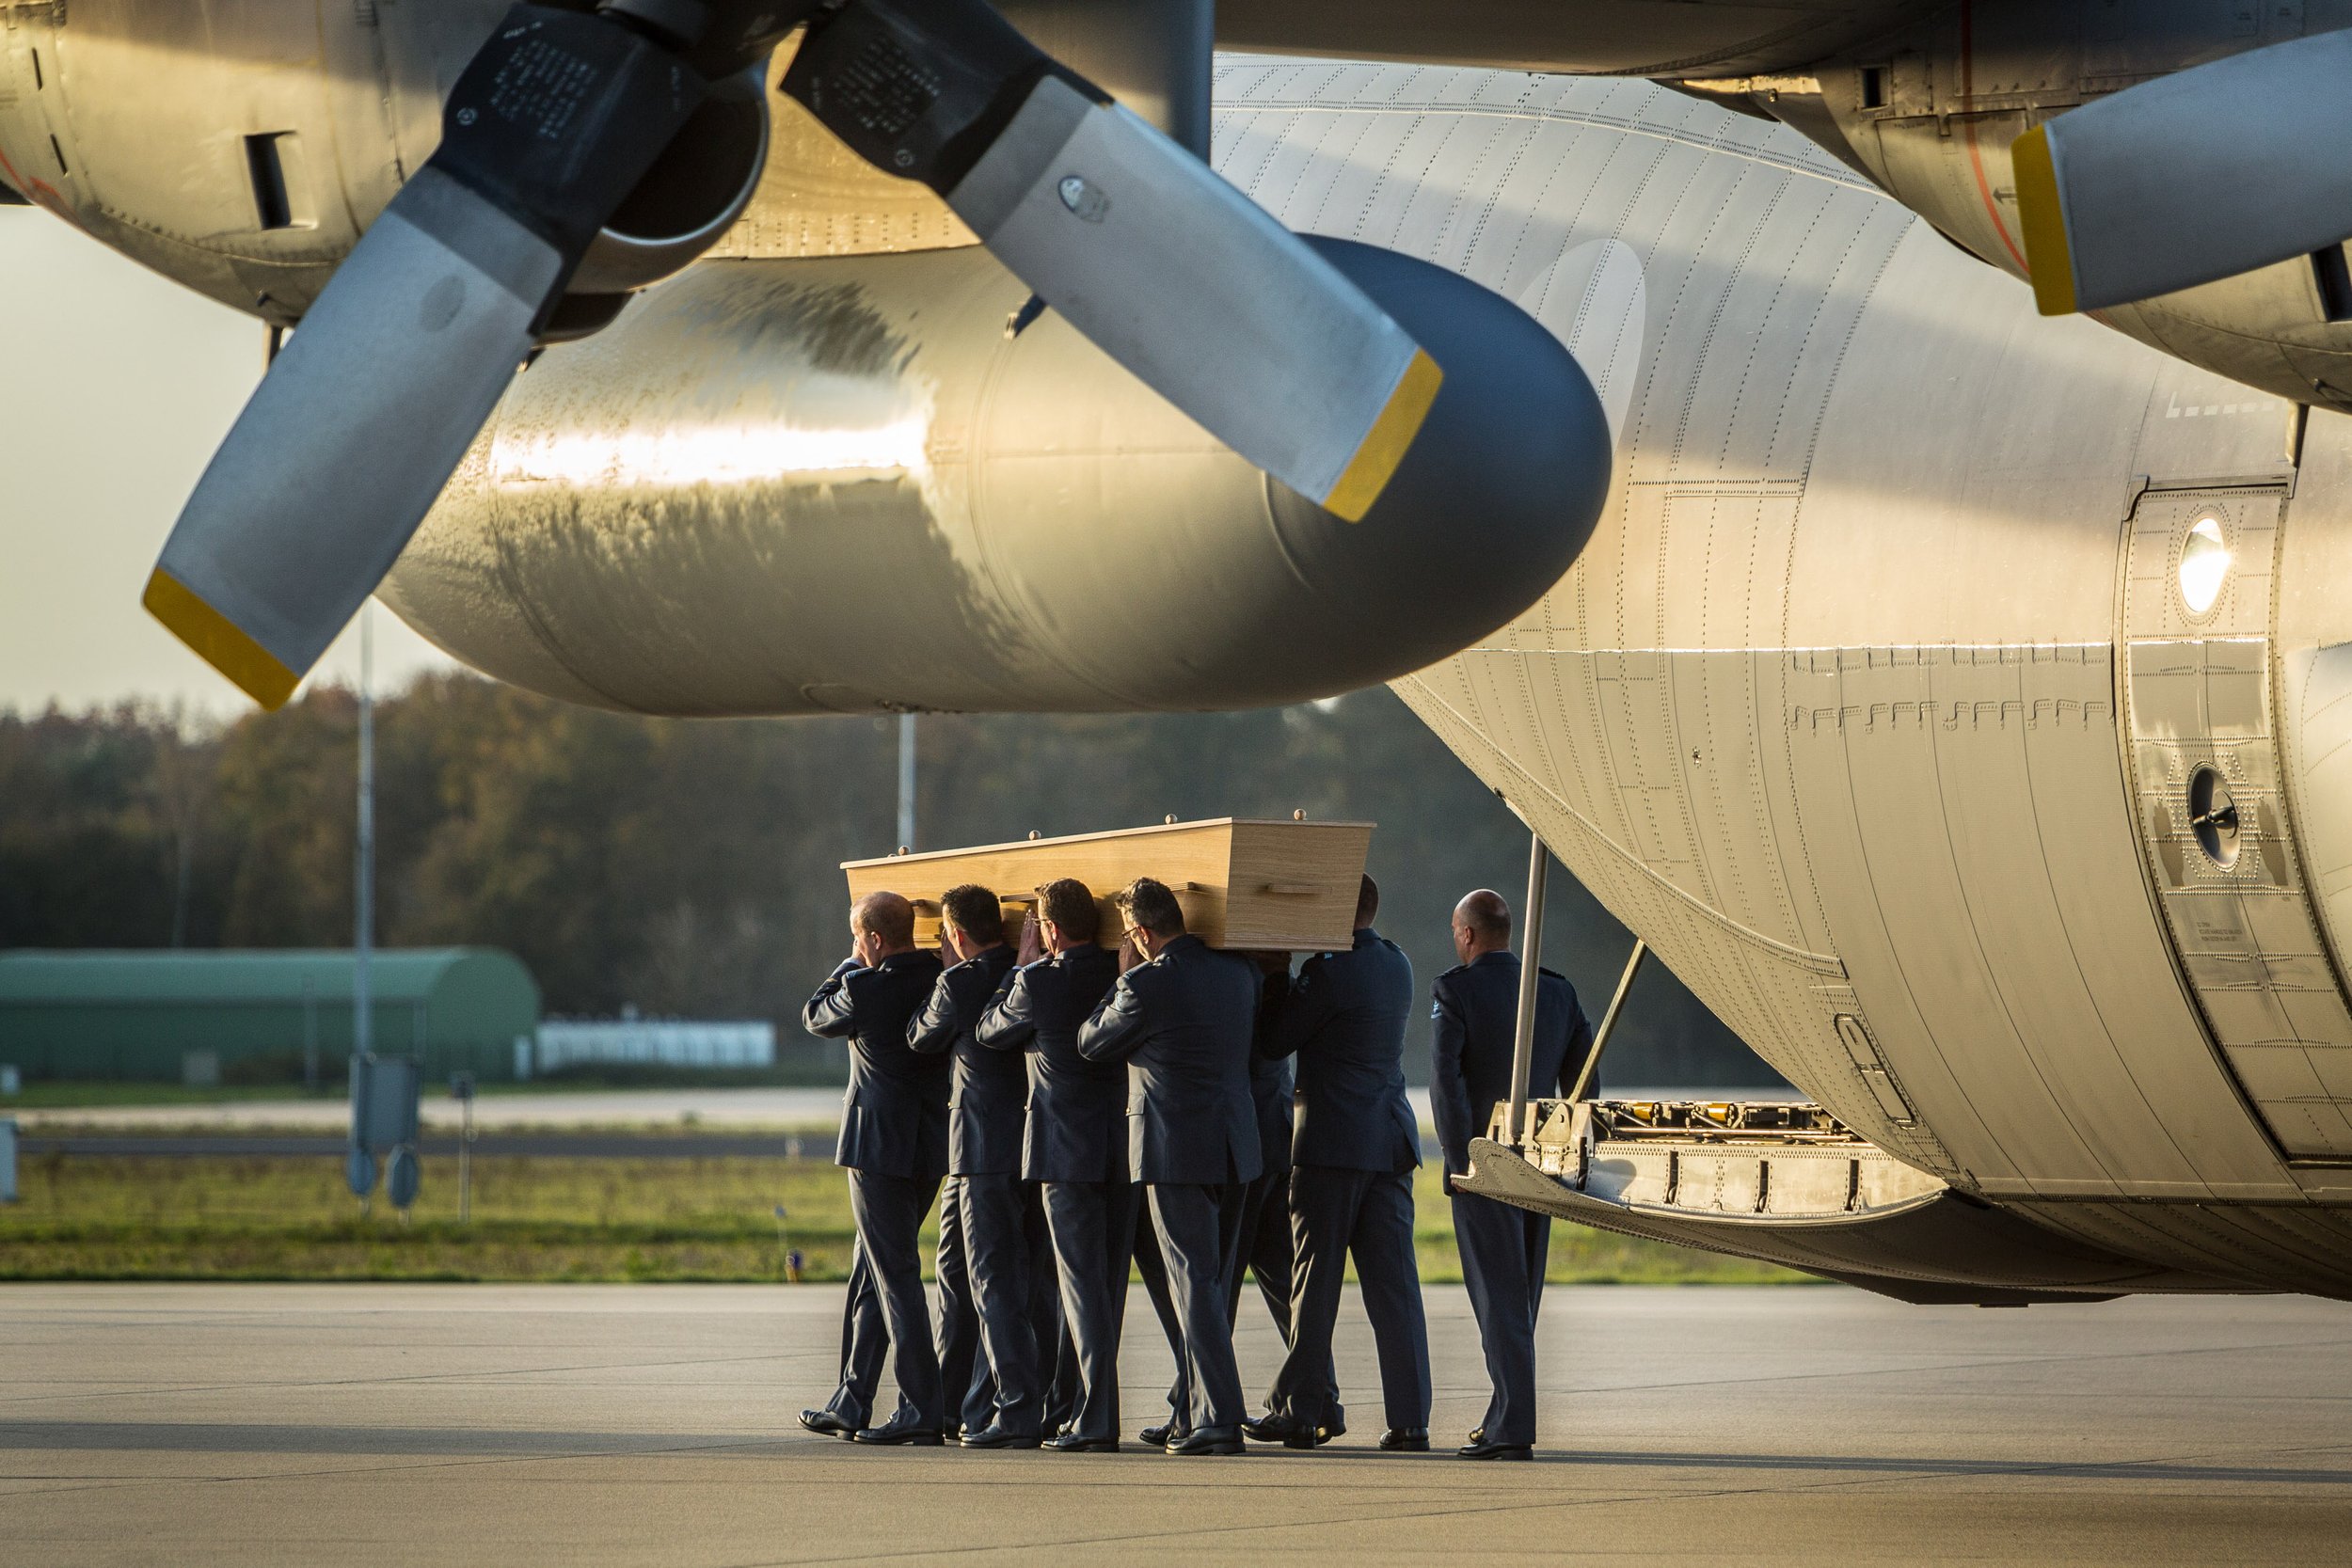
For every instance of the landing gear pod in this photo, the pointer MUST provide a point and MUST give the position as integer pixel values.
(892, 483)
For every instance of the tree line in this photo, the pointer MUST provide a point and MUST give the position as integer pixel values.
(689, 868)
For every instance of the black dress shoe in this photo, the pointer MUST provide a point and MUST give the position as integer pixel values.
(1406, 1440)
(826, 1425)
(993, 1437)
(1283, 1429)
(1208, 1440)
(1483, 1449)
(1070, 1442)
(1158, 1437)
(902, 1434)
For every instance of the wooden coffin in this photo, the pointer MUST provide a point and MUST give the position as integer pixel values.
(1242, 884)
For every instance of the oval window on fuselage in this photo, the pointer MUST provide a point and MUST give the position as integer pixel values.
(2204, 563)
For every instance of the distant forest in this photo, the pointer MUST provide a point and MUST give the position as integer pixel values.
(689, 867)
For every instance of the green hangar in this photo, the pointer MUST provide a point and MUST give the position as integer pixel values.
(260, 1016)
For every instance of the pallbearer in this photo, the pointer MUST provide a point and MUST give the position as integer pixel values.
(894, 1140)
(1503, 1249)
(1004, 1400)
(1075, 1143)
(1182, 1018)
(1351, 1187)
(1261, 1245)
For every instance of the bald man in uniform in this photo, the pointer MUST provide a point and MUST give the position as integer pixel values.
(893, 1141)
(1503, 1249)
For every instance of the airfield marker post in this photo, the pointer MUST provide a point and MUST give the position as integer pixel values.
(461, 1089)
(1530, 957)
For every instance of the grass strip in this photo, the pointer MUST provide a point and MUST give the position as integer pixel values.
(551, 1218)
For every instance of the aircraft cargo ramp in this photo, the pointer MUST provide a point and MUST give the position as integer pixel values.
(1790, 1184)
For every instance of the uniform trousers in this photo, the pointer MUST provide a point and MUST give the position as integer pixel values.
(1199, 1228)
(1152, 1270)
(963, 1369)
(864, 1343)
(1056, 1361)
(888, 1212)
(1004, 1390)
(1262, 1246)
(1370, 1213)
(1503, 1250)
(1092, 1226)
(1268, 1250)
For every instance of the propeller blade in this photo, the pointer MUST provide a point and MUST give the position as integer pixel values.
(372, 403)
(1170, 270)
(2201, 175)
(351, 435)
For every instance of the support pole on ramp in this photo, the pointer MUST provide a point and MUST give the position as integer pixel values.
(1531, 957)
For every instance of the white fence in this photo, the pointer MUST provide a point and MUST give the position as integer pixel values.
(672, 1042)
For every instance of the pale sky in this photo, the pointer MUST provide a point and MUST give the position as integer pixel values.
(115, 386)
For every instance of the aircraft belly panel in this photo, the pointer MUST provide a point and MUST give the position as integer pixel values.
(2285, 1246)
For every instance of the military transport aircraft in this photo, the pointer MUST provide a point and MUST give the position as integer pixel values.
(1959, 700)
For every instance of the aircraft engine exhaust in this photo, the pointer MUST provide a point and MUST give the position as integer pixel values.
(890, 483)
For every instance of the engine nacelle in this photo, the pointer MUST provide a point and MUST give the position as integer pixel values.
(889, 482)
(693, 194)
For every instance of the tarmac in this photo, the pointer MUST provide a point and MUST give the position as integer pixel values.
(654, 1424)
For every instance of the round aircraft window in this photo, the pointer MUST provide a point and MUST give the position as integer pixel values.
(2213, 813)
(2204, 563)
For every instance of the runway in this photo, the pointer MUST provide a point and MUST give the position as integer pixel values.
(628, 1424)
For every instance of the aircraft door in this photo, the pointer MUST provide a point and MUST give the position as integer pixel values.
(2200, 736)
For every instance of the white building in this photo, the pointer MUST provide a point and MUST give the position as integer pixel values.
(670, 1042)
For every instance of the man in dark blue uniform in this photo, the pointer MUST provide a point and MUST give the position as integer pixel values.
(1182, 1018)
(1004, 1401)
(1503, 1248)
(1351, 1190)
(894, 1141)
(1261, 1241)
(1075, 1144)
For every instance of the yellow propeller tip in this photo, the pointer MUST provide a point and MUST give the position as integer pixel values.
(218, 641)
(1384, 446)
(2042, 214)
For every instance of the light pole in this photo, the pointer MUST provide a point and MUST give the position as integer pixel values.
(363, 917)
(906, 781)
(359, 1165)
